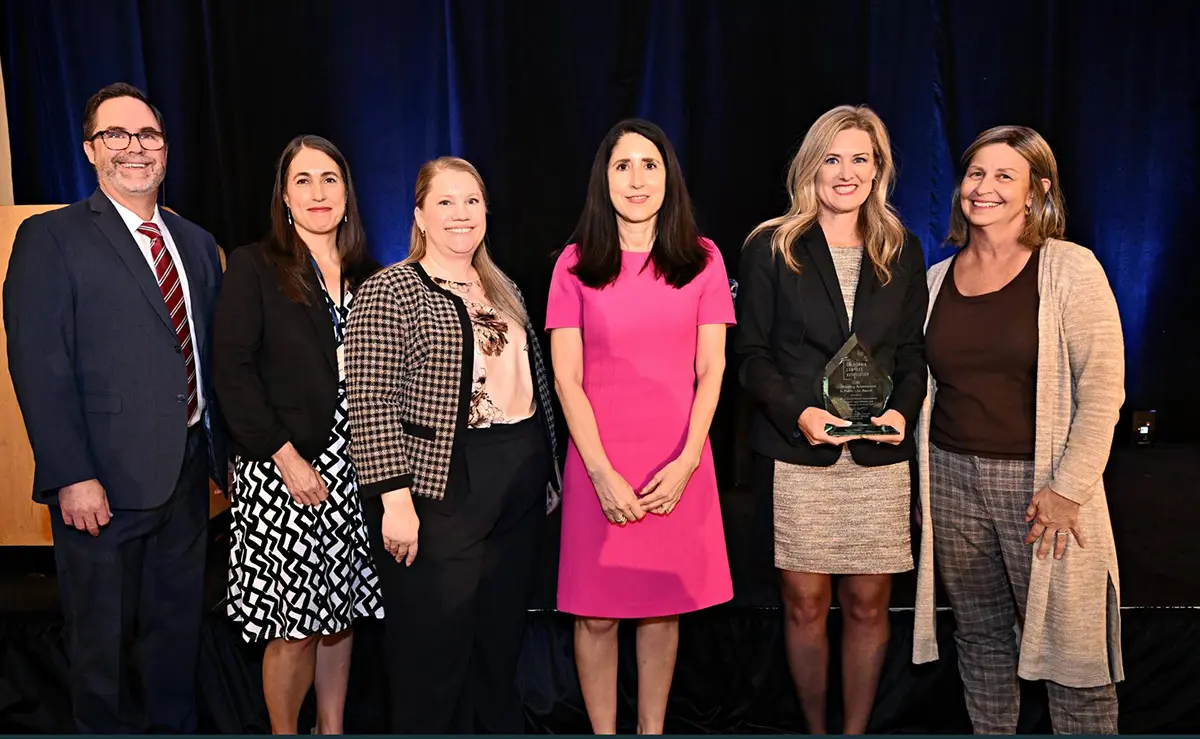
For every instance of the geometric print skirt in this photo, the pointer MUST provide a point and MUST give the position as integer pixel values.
(298, 570)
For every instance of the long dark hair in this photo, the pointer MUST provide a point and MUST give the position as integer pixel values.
(288, 253)
(677, 255)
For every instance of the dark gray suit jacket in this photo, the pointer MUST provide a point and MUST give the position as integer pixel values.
(94, 357)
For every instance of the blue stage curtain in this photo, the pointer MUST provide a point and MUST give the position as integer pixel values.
(525, 90)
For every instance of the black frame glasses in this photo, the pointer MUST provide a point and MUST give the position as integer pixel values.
(118, 139)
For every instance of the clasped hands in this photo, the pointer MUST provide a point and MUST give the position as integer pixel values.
(621, 505)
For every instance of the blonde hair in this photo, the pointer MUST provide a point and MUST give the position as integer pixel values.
(1047, 217)
(500, 291)
(878, 222)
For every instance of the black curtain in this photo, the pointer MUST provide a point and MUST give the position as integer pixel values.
(525, 90)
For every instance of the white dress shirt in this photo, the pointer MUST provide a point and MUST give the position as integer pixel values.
(133, 222)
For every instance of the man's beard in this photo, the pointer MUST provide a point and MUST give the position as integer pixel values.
(113, 176)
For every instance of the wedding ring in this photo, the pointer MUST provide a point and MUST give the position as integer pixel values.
(620, 518)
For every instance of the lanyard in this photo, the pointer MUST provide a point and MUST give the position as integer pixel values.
(335, 309)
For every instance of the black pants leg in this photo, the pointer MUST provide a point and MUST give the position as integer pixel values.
(455, 618)
(99, 579)
(429, 618)
(172, 603)
(506, 587)
(132, 600)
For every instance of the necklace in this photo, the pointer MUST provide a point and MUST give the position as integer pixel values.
(462, 288)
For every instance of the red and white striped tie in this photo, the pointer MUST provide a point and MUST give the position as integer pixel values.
(172, 292)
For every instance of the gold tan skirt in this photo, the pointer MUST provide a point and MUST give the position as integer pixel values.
(842, 520)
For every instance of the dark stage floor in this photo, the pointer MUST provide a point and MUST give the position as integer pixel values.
(731, 676)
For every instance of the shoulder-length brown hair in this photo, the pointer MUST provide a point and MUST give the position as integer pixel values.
(880, 226)
(500, 291)
(1047, 217)
(676, 255)
(285, 249)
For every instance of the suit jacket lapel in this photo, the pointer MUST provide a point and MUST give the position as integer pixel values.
(867, 282)
(321, 321)
(110, 224)
(822, 262)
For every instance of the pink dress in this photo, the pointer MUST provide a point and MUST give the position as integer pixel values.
(639, 352)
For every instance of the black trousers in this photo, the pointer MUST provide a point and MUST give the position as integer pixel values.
(132, 599)
(455, 618)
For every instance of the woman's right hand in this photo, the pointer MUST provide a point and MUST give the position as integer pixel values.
(812, 424)
(303, 483)
(400, 526)
(617, 499)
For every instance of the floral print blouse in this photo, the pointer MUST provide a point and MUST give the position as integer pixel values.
(502, 386)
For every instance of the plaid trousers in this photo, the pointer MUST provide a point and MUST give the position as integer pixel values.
(979, 532)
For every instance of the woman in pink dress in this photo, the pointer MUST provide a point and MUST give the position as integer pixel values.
(638, 308)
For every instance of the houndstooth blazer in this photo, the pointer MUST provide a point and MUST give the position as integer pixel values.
(408, 384)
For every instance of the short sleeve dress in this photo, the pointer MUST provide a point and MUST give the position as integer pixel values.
(639, 353)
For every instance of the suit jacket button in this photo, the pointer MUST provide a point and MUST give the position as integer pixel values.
(181, 398)
(178, 349)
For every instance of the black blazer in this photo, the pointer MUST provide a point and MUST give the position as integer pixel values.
(94, 358)
(790, 325)
(275, 361)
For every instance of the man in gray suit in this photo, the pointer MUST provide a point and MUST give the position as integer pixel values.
(107, 305)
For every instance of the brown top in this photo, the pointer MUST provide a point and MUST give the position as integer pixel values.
(982, 351)
(1071, 633)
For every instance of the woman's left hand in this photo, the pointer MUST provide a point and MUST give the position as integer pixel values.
(893, 418)
(662, 493)
(1054, 518)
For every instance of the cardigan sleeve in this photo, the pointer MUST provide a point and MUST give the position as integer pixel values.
(1091, 326)
(237, 337)
(374, 354)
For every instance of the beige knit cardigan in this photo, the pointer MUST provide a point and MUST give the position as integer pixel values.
(1072, 631)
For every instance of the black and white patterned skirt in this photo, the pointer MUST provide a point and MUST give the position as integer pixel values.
(298, 570)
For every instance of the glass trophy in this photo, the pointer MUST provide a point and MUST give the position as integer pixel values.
(855, 389)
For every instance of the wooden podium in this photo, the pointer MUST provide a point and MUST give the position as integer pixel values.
(23, 522)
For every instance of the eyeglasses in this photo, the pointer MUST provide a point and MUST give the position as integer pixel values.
(118, 139)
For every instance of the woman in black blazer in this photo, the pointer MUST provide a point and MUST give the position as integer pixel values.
(300, 567)
(837, 265)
